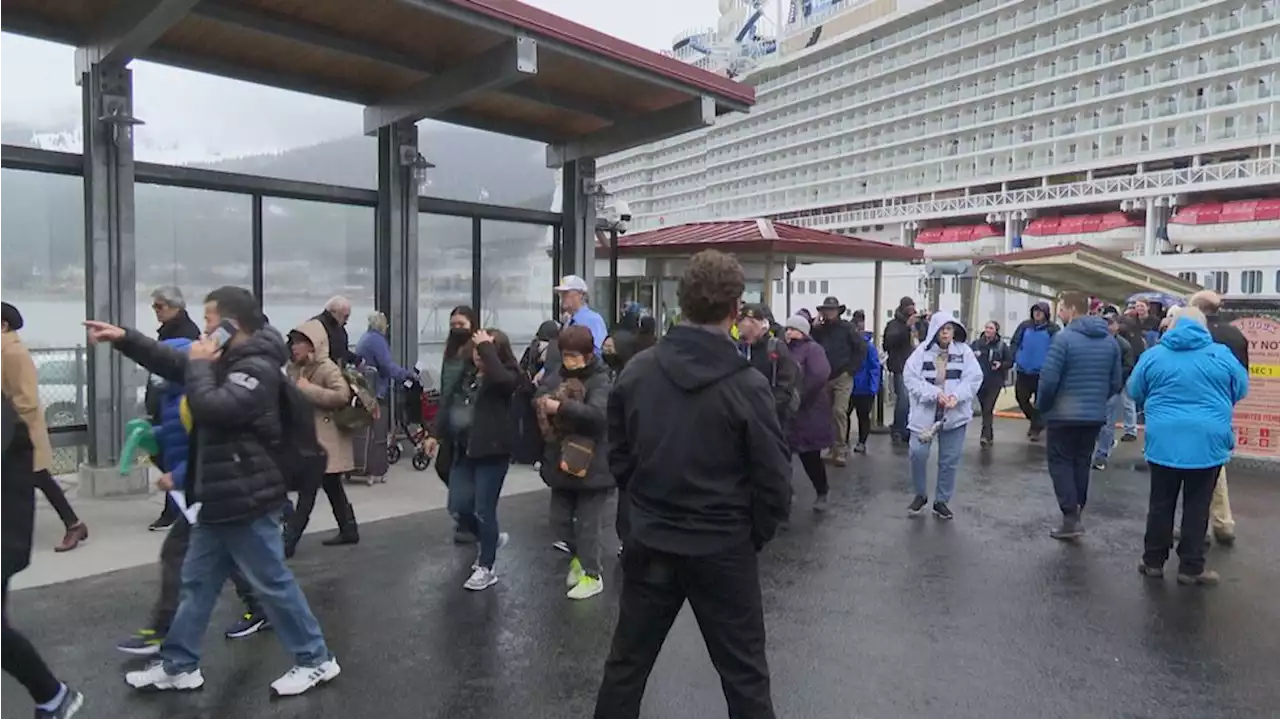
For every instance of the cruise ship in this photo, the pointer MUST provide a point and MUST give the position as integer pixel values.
(970, 128)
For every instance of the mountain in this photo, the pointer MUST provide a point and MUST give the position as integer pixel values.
(183, 236)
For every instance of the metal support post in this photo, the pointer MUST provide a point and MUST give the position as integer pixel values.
(110, 294)
(396, 239)
(877, 322)
(557, 235)
(1149, 240)
(615, 304)
(577, 240)
(256, 251)
(477, 269)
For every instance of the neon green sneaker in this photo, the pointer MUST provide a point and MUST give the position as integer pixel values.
(575, 573)
(587, 587)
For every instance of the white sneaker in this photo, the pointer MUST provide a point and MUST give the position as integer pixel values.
(481, 579)
(155, 677)
(562, 546)
(299, 679)
(503, 538)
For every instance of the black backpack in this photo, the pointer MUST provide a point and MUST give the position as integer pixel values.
(793, 404)
(299, 455)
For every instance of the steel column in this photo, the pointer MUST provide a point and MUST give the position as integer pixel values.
(396, 241)
(477, 268)
(577, 239)
(1149, 240)
(257, 251)
(557, 235)
(107, 92)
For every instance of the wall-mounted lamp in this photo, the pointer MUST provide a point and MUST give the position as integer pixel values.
(117, 114)
(411, 158)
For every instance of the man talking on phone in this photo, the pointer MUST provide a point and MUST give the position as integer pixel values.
(233, 377)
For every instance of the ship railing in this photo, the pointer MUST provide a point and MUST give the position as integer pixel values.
(1192, 179)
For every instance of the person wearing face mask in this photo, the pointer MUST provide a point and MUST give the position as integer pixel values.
(571, 408)
(811, 430)
(611, 357)
(994, 357)
(769, 356)
(456, 362)
(534, 359)
(942, 377)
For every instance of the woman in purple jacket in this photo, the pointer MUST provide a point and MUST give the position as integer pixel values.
(812, 430)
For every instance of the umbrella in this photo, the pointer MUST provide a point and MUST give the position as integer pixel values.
(1164, 299)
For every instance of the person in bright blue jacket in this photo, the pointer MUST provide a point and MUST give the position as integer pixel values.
(1188, 386)
(1030, 347)
(866, 385)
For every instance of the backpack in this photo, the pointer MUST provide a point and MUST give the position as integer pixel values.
(362, 408)
(793, 404)
(299, 455)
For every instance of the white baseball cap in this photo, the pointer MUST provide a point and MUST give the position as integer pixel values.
(571, 283)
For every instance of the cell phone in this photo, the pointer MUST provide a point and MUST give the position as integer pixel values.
(223, 334)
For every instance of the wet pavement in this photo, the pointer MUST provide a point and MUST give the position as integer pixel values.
(870, 615)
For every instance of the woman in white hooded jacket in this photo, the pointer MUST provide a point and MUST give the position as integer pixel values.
(942, 377)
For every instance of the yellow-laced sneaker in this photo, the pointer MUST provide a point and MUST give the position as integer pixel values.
(587, 587)
(575, 575)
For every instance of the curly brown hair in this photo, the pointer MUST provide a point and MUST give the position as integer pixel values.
(710, 287)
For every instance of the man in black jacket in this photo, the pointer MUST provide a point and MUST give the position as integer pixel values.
(769, 355)
(171, 312)
(899, 341)
(696, 444)
(1224, 333)
(233, 392)
(337, 312)
(846, 351)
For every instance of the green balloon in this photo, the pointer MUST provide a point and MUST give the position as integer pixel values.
(139, 436)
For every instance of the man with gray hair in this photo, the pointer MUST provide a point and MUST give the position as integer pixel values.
(1223, 333)
(170, 308)
(333, 321)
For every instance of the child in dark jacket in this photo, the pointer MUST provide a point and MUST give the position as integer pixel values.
(172, 435)
(866, 385)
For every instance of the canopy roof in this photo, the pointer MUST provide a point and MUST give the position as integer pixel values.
(757, 236)
(496, 65)
(1081, 268)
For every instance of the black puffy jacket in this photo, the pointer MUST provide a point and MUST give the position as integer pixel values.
(235, 412)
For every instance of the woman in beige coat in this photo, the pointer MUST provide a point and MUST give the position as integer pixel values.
(321, 381)
(21, 385)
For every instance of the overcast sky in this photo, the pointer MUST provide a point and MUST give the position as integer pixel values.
(37, 85)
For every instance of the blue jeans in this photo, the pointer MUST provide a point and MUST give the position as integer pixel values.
(257, 549)
(950, 444)
(1107, 435)
(474, 487)
(901, 406)
(1130, 415)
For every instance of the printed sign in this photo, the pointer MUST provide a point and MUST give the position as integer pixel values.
(1257, 418)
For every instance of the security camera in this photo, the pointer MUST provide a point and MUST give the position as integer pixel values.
(623, 210)
(617, 216)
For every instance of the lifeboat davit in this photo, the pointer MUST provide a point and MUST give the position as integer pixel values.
(1227, 225)
(960, 241)
(1112, 231)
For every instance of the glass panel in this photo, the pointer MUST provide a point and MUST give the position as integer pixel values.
(40, 103)
(444, 282)
(515, 279)
(478, 166)
(311, 252)
(42, 226)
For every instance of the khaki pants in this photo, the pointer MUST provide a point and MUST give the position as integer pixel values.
(841, 389)
(1220, 509)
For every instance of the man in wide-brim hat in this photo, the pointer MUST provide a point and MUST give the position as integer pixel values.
(846, 350)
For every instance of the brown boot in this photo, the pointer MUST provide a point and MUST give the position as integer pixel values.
(76, 534)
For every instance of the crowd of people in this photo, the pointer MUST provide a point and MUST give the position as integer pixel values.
(695, 435)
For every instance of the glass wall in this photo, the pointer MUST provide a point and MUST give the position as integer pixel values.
(444, 282)
(312, 251)
(42, 242)
(516, 278)
(477, 166)
(196, 240)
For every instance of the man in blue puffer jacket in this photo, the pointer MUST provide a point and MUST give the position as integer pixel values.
(1081, 372)
(173, 436)
(1029, 347)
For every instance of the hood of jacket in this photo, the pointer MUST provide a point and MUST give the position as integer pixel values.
(1043, 307)
(1187, 334)
(314, 331)
(548, 331)
(266, 342)
(1090, 326)
(941, 318)
(694, 357)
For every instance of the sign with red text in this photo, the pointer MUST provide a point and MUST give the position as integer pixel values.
(1257, 418)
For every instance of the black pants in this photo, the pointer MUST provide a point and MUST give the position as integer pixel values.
(1070, 450)
(861, 405)
(816, 469)
(22, 661)
(623, 523)
(337, 494)
(53, 492)
(172, 553)
(724, 590)
(987, 396)
(1024, 388)
(1197, 487)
